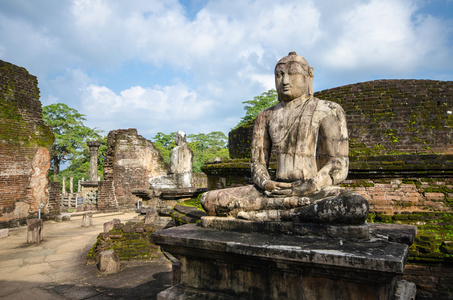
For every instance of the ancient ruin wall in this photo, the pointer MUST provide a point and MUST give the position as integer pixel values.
(131, 161)
(385, 117)
(25, 144)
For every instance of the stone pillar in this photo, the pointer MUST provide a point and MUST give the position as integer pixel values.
(94, 148)
(63, 187)
(87, 220)
(71, 190)
(34, 231)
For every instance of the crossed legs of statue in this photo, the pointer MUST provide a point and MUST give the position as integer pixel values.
(332, 205)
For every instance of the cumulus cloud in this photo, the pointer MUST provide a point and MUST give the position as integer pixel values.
(152, 109)
(199, 61)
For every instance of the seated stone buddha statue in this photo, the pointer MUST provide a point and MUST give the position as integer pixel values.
(310, 139)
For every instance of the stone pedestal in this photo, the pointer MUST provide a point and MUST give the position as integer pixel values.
(218, 264)
(34, 231)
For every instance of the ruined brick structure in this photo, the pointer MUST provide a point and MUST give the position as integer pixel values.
(130, 162)
(25, 144)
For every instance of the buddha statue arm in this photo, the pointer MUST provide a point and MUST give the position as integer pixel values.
(261, 150)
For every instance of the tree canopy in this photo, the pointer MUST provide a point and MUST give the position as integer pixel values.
(258, 104)
(205, 147)
(70, 133)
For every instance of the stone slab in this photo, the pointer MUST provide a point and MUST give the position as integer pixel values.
(181, 193)
(277, 266)
(349, 232)
(4, 233)
(375, 254)
(187, 293)
(404, 234)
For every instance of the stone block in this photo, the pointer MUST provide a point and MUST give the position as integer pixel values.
(435, 196)
(109, 262)
(286, 228)
(87, 220)
(236, 265)
(34, 231)
(4, 233)
(151, 214)
(111, 224)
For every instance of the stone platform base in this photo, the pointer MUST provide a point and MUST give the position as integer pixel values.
(223, 264)
(404, 291)
(357, 232)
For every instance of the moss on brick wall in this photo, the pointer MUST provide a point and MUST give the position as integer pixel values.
(22, 133)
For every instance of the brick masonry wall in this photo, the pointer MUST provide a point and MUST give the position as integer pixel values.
(25, 144)
(53, 205)
(106, 196)
(397, 195)
(385, 116)
(131, 161)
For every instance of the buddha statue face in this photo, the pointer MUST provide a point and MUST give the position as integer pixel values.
(293, 78)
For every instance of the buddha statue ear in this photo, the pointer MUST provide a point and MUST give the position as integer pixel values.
(311, 72)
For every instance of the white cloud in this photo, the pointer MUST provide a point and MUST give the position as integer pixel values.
(210, 62)
(383, 35)
(146, 108)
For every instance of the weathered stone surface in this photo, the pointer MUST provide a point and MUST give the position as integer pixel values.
(403, 234)
(4, 233)
(190, 211)
(150, 216)
(111, 224)
(131, 161)
(172, 194)
(87, 220)
(34, 231)
(109, 262)
(180, 172)
(186, 293)
(259, 266)
(25, 144)
(348, 232)
(405, 290)
(379, 255)
(310, 138)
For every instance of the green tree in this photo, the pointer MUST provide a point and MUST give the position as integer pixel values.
(70, 133)
(205, 147)
(164, 143)
(258, 104)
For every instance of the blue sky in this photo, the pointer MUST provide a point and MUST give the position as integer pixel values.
(167, 65)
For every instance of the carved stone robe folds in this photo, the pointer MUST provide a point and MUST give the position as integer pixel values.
(310, 138)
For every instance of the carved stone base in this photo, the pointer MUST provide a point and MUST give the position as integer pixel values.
(351, 232)
(234, 265)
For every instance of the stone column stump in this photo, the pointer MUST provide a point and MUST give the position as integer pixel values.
(87, 220)
(34, 231)
(109, 262)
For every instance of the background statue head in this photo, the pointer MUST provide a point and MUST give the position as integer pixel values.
(293, 77)
(180, 138)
